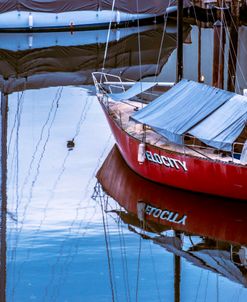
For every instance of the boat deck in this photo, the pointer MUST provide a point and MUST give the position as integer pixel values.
(121, 112)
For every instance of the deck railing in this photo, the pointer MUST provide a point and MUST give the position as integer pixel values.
(101, 79)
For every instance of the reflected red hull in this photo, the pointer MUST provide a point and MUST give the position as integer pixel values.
(210, 216)
(181, 171)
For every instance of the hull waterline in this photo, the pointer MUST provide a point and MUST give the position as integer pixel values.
(181, 170)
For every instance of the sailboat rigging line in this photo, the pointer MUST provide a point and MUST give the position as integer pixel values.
(15, 176)
(71, 227)
(240, 290)
(161, 44)
(20, 108)
(206, 288)
(138, 269)
(199, 285)
(110, 250)
(98, 193)
(53, 105)
(16, 125)
(107, 251)
(36, 232)
(108, 36)
(81, 119)
(55, 99)
(154, 270)
(234, 51)
(232, 74)
(139, 41)
(99, 162)
(124, 259)
(19, 100)
(55, 265)
(221, 45)
(217, 288)
(58, 96)
(68, 260)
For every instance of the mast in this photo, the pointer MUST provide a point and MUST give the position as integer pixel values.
(179, 40)
(218, 57)
(3, 197)
(233, 46)
(199, 54)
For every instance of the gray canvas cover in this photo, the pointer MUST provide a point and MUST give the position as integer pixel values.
(223, 126)
(181, 108)
(157, 7)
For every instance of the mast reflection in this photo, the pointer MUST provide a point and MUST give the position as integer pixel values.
(207, 231)
(3, 196)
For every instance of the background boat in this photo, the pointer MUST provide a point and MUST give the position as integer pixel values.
(54, 14)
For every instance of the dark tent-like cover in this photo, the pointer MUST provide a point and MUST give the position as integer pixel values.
(73, 65)
(215, 116)
(157, 7)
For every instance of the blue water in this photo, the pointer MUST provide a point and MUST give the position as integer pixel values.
(56, 241)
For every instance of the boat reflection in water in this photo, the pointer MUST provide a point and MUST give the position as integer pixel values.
(57, 59)
(39, 123)
(208, 232)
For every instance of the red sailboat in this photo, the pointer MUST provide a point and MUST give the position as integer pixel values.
(192, 137)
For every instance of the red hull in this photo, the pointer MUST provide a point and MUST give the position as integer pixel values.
(182, 171)
(208, 216)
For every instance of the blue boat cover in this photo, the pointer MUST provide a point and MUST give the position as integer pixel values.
(213, 115)
(136, 89)
(223, 126)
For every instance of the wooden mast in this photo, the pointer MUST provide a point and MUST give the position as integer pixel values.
(179, 40)
(179, 76)
(218, 58)
(233, 46)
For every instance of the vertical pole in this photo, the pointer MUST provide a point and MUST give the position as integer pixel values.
(222, 57)
(218, 58)
(233, 46)
(199, 71)
(179, 40)
(177, 273)
(3, 197)
(217, 26)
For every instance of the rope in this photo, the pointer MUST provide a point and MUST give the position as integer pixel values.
(124, 259)
(138, 268)
(108, 36)
(139, 40)
(107, 251)
(161, 44)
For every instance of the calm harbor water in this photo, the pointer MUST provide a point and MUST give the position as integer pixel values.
(72, 236)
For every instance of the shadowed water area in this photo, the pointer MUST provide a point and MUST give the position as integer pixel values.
(70, 225)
